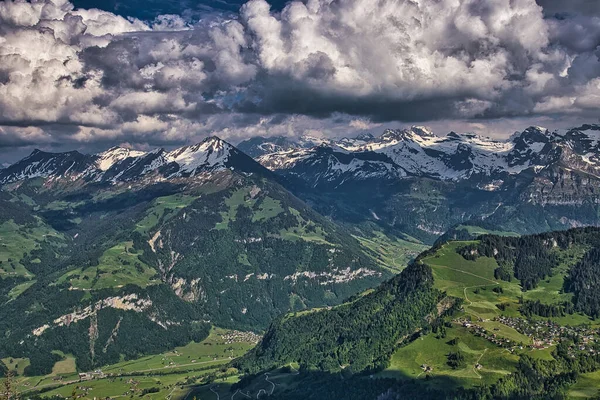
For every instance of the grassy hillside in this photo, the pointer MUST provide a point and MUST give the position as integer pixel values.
(507, 330)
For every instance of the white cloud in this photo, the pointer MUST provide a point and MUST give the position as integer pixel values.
(337, 66)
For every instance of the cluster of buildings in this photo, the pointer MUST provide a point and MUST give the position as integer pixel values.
(86, 376)
(543, 334)
(240, 337)
(547, 333)
(480, 331)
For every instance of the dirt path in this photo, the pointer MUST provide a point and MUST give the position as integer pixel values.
(477, 362)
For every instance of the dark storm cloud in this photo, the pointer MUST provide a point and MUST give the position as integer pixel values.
(560, 7)
(163, 79)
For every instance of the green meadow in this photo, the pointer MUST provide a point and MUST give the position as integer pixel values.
(167, 375)
(117, 267)
(431, 350)
(163, 208)
(393, 254)
(17, 241)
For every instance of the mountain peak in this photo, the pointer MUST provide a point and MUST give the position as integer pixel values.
(365, 137)
(422, 131)
(114, 155)
(212, 153)
(533, 134)
(411, 134)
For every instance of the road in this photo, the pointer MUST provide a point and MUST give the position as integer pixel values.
(217, 393)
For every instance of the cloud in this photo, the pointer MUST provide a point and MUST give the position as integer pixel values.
(583, 7)
(89, 76)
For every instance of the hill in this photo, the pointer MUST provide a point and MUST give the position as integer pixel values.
(525, 328)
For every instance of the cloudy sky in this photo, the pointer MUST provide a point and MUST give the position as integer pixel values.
(90, 74)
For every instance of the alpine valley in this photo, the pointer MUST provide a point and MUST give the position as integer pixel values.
(377, 267)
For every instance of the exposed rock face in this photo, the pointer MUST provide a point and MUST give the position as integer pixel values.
(129, 302)
(188, 290)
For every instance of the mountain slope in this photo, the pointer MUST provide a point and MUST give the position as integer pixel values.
(359, 335)
(128, 253)
(535, 181)
(517, 325)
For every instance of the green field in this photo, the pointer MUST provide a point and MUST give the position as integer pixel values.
(263, 207)
(17, 241)
(430, 350)
(211, 351)
(305, 230)
(478, 231)
(117, 267)
(171, 373)
(16, 364)
(474, 282)
(267, 208)
(19, 289)
(588, 385)
(392, 254)
(265, 384)
(163, 208)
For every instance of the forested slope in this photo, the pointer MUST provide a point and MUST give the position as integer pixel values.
(359, 335)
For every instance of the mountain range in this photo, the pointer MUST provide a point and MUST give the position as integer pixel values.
(536, 180)
(125, 253)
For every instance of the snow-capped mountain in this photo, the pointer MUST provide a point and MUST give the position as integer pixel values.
(417, 183)
(260, 146)
(454, 157)
(114, 155)
(120, 164)
(41, 164)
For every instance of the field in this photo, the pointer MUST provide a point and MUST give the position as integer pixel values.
(409, 361)
(263, 385)
(306, 230)
(168, 375)
(392, 254)
(588, 385)
(15, 241)
(474, 282)
(478, 231)
(163, 208)
(117, 267)
(262, 209)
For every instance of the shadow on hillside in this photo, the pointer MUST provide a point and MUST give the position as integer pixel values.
(329, 386)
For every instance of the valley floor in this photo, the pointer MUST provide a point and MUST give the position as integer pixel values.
(163, 376)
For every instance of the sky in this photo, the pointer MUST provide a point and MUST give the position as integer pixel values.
(91, 74)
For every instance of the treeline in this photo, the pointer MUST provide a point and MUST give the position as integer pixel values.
(356, 336)
(530, 308)
(529, 258)
(584, 282)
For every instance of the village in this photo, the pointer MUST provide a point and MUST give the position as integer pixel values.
(240, 337)
(543, 334)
